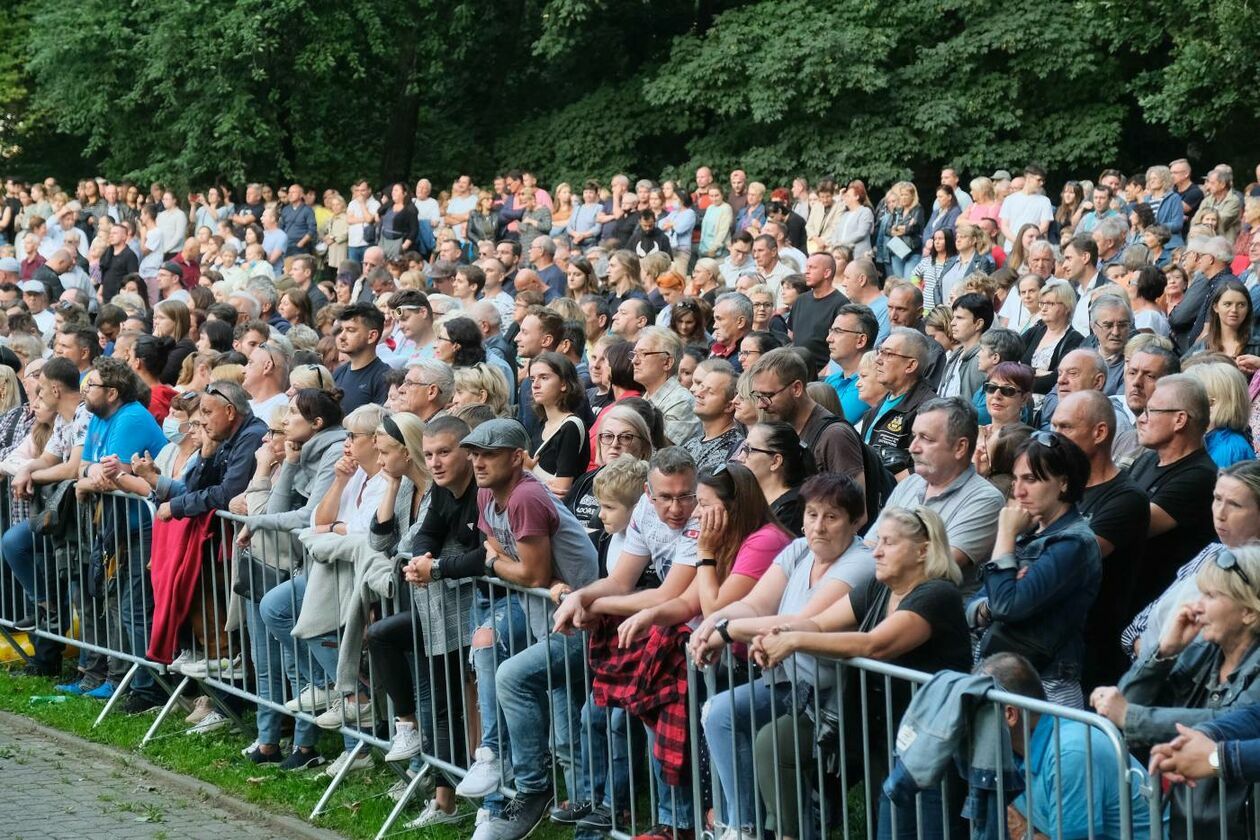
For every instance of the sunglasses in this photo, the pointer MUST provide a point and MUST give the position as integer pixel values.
(1004, 390)
(1227, 560)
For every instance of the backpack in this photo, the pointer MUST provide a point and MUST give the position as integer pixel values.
(879, 481)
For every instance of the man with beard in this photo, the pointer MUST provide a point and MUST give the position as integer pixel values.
(362, 377)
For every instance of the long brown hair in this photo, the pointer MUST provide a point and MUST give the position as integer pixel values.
(746, 510)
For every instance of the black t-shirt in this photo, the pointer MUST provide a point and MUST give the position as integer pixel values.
(790, 510)
(1194, 197)
(939, 603)
(567, 452)
(1183, 490)
(363, 386)
(115, 268)
(1120, 513)
(810, 319)
(255, 210)
(15, 207)
(581, 501)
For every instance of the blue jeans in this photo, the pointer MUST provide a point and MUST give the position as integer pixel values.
(903, 266)
(313, 660)
(18, 547)
(673, 804)
(909, 827)
(355, 252)
(135, 598)
(270, 669)
(731, 721)
(524, 685)
(604, 733)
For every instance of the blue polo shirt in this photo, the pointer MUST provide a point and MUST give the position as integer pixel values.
(1063, 763)
(131, 430)
(846, 388)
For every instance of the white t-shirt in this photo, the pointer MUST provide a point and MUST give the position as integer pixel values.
(355, 231)
(152, 261)
(648, 536)
(1020, 209)
(263, 410)
(461, 204)
(428, 210)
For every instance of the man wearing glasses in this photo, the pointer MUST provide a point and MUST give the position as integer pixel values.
(655, 358)
(888, 427)
(661, 540)
(1111, 320)
(1178, 476)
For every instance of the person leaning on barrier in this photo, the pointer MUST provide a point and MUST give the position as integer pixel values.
(1037, 590)
(810, 574)
(532, 540)
(1073, 767)
(1207, 662)
(1226, 747)
(911, 615)
(230, 437)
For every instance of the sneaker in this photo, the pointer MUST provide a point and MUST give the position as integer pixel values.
(433, 815)
(201, 707)
(137, 703)
(343, 711)
(600, 819)
(228, 670)
(520, 816)
(74, 689)
(253, 745)
(666, 832)
(301, 759)
(569, 813)
(104, 691)
(211, 721)
(398, 788)
(186, 657)
(362, 762)
(257, 756)
(483, 777)
(407, 742)
(313, 698)
(26, 622)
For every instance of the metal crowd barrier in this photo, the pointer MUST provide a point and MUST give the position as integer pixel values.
(813, 759)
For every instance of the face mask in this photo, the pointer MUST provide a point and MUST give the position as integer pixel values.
(170, 428)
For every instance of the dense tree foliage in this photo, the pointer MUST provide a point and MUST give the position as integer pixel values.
(323, 91)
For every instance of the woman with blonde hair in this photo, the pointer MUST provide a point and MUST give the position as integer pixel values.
(561, 208)
(480, 383)
(984, 202)
(1229, 405)
(336, 234)
(1025, 237)
(706, 279)
(623, 278)
(905, 227)
(10, 390)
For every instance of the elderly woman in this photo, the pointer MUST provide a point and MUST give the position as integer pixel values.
(911, 615)
(1206, 663)
(1037, 590)
(1164, 200)
(1050, 339)
(812, 573)
(623, 431)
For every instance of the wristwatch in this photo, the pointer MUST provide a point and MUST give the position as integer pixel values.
(1214, 760)
(722, 626)
(707, 561)
(435, 569)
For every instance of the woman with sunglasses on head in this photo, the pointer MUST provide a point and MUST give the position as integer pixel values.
(622, 432)
(1007, 393)
(1036, 592)
(691, 318)
(1206, 662)
(911, 615)
(774, 454)
(618, 369)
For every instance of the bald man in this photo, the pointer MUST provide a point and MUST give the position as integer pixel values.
(1119, 515)
(1080, 370)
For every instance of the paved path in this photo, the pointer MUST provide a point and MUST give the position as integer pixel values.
(48, 792)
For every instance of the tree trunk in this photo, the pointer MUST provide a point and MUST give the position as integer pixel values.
(400, 136)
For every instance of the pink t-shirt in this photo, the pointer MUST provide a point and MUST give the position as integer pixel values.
(759, 550)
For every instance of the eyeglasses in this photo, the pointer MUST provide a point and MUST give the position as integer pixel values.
(274, 433)
(765, 304)
(1149, 411)
(643, 354)
(411, 383)
(93, 385)
(1227, 560)
(744, 355)
(624, 438)
(765, 399)
(1108, 326)
(748, 447)
(884, 351)
(670, 501)
(842, 330)
(1004, 390)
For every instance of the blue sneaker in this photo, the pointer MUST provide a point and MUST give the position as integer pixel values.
(74, 689)
(104, 691)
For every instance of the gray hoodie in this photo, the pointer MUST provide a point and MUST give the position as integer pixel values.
(300, 486)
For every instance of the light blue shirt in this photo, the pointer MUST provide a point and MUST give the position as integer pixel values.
(846, 389)
(879, 306)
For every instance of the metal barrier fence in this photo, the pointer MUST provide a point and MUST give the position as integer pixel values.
(311, 636)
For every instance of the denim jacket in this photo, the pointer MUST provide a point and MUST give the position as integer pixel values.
(1188, 690)
(1041, 615)
(1238, 735)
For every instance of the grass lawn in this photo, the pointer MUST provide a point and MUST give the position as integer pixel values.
(358, 809)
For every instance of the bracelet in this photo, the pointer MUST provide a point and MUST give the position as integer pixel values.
(707, 561)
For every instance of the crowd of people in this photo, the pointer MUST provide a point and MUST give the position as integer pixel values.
(1003, 427)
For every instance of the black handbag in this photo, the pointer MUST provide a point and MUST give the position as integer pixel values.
(256, 577)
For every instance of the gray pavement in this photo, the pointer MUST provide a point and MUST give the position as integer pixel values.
(50, 792)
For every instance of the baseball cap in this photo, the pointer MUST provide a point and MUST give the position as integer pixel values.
(500, 433)
(34, 287)
(1000, 175)
(10, 264)
(174, 268)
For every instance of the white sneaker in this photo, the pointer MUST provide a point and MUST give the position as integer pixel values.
(343, 711)
(362, 762)
(732, 833)
(186, 657)
(209, 723)
(483, 817)
(313, 698)
(253, 745)
(433, 815)
(483, 777)
(228, 670)
(407, 742)
(398, 788)
(200, 669)
(483, 829)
